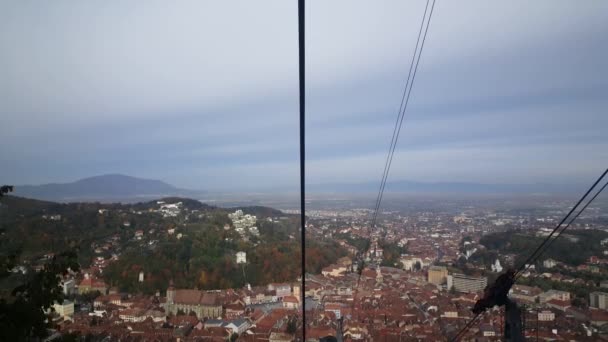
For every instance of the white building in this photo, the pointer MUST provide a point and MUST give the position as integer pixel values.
(598, 300)
(238, 326)
(254, 230)
(241, 257)
(69, 287)
(497, 267)
(470, 252)
(409, 262)
(549, 263)
(333, 271)
(487, 330)
(170, 210)
(132, 315)
(243, 222)
(546, 316)
(65, 310)
(461, 219)
(468, 284)
(554, 294)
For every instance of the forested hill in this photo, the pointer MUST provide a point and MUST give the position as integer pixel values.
(14, 205)
(17, 207)
(38, 227)
(172, 238)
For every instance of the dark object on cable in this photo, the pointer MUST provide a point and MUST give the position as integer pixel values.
(496, 295)
(5, 189)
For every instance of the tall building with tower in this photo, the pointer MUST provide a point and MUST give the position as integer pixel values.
(379, 277)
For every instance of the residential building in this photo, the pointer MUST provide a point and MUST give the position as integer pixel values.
(453, 313)
(214, 323)
(65, 310)
(554, 294)
(139, 234)
(523, 293)
(242, 221)
(102, 300)
(549, 263)
(291, 302)
(468, 284)
(411, 263)
(546, 316)
(437, 275)
(336, 308)
(241, 257)
(598, 317)
(557, 304)
(333, 271)
(282, 290)
(132, 315)
(234, 310)
(68, 286)
(237, 326)
(598, 300)
(487, 330)
(92, 285)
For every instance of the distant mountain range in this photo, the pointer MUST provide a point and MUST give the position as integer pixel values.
(104, 188)
(122, 188)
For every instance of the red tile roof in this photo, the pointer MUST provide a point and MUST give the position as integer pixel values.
(195, 297)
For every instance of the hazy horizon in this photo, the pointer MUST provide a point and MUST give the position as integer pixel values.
(127, 189)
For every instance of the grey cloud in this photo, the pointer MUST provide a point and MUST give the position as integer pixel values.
(175, 90)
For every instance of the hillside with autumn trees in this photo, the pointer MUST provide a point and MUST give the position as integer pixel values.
(205, 258)
(195, 248)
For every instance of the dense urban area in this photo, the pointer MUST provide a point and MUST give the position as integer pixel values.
(177, 269)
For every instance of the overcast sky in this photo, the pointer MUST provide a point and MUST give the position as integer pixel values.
(203, 94)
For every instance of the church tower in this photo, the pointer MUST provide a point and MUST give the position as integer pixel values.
(170, 293)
